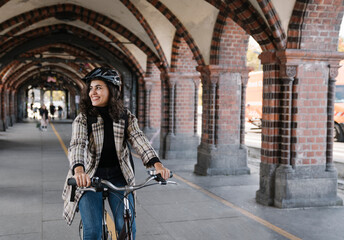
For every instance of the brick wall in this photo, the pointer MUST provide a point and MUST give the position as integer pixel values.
(228, 109)
(310, 114)
(321, 24)
(184, 106)
(155, 101)
(233, 45)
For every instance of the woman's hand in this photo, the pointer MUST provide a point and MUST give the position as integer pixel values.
(82, 179)
(165, 172)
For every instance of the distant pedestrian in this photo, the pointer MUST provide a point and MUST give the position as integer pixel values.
(52, 109)
(44, 120)
(59, 111)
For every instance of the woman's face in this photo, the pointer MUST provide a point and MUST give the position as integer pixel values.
(99, 93)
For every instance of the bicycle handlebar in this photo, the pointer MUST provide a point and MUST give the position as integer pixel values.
(96, 182)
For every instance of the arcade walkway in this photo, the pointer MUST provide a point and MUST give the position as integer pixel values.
(33, 166)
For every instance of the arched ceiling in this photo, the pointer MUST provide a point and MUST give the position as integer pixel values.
(77, 35)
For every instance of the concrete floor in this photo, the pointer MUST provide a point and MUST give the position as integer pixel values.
(33, 166)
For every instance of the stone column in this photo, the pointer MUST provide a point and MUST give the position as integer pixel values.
(5, 117)
(72, 105)
(148, 89)
(220, 151)
(244, 80)
(12, 107)
(2, 123)
(333, 72)
(197, 82)
(302, 179)
(151, 131)
(270, 148)
(181, 141)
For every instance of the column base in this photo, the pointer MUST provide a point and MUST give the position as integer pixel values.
(8, 122)
(153, 135)
(306, 186)
(265, 194)
(222, 160)
(13, 119)
(2, 126)
(181, 146)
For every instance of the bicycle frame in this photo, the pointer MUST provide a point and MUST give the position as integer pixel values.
(106, 186)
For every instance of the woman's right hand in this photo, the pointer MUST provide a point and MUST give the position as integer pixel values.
(82, 179)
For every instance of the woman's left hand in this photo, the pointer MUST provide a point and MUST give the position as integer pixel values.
(165, 172)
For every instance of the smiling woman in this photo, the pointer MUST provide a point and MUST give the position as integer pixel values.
(108, 155)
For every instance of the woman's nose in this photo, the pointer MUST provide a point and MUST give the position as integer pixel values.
(92, 91)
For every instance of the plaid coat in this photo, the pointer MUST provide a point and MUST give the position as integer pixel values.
(88, 153)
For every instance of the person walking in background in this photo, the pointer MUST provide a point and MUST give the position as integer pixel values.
(44, 117)
(107, 154)
(59, 112)
(52, 110)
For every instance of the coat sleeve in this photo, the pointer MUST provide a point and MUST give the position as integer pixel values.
(139, 142)
(78, 141)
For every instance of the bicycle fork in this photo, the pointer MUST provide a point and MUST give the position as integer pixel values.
(127, 220)
(105, 234)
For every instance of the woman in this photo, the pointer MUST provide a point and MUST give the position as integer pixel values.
(107, 153)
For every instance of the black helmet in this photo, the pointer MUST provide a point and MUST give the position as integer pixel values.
(104, 73)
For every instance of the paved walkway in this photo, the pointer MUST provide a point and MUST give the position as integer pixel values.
(33, 166)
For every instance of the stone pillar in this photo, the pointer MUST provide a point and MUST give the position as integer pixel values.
(148, 90)
(141, 103)
(12, 107)
(2, 123)
(181, 142)
(220, 151)
(244, 80)
(333, 72)
(197, 82)
(5, 108)
(151, 129)
(270, 148)
(297, 175)
(72, 105)
(15, 105)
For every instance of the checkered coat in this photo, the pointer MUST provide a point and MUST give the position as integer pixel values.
(82, 151)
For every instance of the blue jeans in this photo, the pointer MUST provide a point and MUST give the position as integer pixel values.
(91, 211)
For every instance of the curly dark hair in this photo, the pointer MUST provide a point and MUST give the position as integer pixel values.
(115, 105)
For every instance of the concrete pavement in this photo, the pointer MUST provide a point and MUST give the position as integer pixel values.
(33, 166)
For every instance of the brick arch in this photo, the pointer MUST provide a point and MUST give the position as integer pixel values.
(7, 69)
(129, 55)
(274, 21)
(41, 32)
(182, 57)
(3, 2)
(66, 72)
(86, 15)
(180, 29)
(131, 7)
(19, 72)
(72, 50)
(244, 14)
(232, 45)
(315, 26)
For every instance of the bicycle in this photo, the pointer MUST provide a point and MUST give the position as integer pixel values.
(105, 187)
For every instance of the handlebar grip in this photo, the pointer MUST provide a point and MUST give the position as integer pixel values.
(71, 181)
